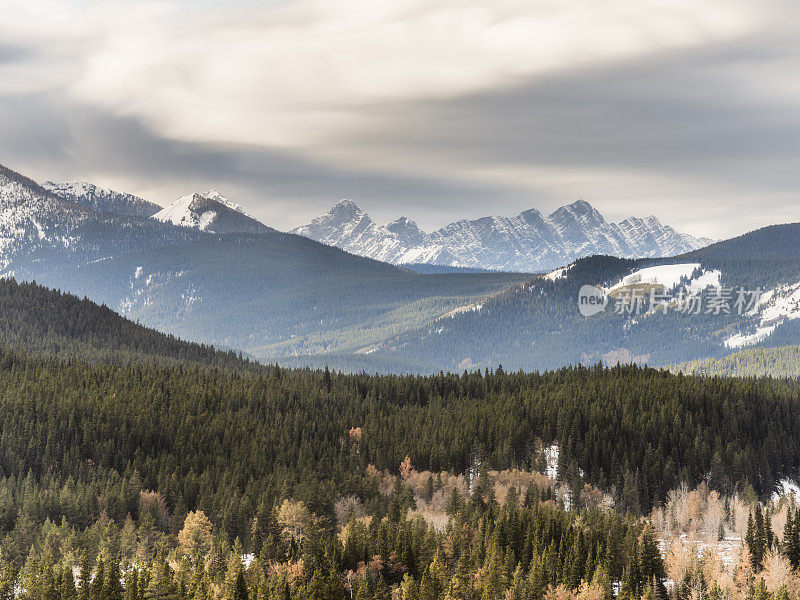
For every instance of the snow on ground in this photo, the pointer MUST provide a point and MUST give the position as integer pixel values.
(178, 213)
(727, 549)
(551, 459)
(781, 303)
(459, 310)
(786, 487)
(559, 273)
(775, 306)
(707, 279)
(206, 219)
(669, 276)
(740, 340)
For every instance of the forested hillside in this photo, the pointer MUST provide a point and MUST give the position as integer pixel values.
(46, 322)
(780, 361)
(107, 460)
(762, 257)
(536, 325)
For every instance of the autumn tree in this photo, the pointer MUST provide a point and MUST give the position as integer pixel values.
(195, 538)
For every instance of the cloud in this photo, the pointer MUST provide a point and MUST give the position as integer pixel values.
(48, 138)
(439, 109)
(697, 136)
(304, 74)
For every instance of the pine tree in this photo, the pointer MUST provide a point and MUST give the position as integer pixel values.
(8, 581)
(240, 588)
(67, 584)
(760, 591)
(327, 381)
(48, 589)
(791, 538)
(429, 489)
(86, 577)
(459, 586)
(132, 585)
(112, 587)
(162, 585)
(96, 587)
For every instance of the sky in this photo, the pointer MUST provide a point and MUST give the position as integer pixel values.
(433, 109)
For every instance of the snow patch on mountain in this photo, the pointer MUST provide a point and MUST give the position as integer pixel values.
(180, 213)
(527, 242)
(774, 307)
(558, 273)
(740, 340)
(786, 487)
(29, 215)
(211, 212)
(102, 199)
(213, 194)
(671, 276)
(460, 310)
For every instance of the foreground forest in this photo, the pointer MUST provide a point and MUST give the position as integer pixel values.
(134, 465)
(151, 480)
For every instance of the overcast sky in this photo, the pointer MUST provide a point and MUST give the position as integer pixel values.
(434, 109)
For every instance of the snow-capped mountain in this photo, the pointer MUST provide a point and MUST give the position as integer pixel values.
(527, 242)
(102, 199)
(41, 232)
(31, 216)
(211, 212)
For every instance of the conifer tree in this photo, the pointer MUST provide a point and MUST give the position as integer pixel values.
(791, 538)
(240, 587)
(132, 585)
(67, 588)
(112, 587)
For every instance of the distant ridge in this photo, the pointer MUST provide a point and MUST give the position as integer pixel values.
(528, 242)
(101, 199)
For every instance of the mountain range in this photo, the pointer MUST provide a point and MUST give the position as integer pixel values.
(224, 279)
(204, 270)
(528, 242)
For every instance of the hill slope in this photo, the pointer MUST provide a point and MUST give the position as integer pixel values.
(537, 325)
(40, 321)
(101, 199)
(780, 361)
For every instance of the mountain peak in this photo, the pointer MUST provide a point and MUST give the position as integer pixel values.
(101, 199)
(528, 242)
(210, 212)
(346, 202)
(216, 196)
(407, 231)
(579, 208)
(581, 205)
(577, 222)
(346, 208)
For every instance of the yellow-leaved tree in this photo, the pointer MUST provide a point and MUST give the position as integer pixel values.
(195, 537)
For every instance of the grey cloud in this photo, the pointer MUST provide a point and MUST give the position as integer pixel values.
(717, 127)
(9, 53)
(699, 117)
(46, 138)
